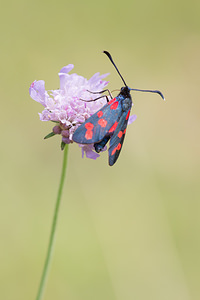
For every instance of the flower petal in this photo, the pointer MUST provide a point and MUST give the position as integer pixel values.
(132, 119)
(62, 74)
(88, 151)
(37, 91)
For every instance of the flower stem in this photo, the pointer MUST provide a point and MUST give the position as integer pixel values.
(53, 229)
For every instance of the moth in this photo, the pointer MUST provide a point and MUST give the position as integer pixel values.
(109, 122)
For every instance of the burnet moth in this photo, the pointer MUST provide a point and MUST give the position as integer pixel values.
(110, 122)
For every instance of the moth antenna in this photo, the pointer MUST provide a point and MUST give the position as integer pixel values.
(110, 57)
(150, 91)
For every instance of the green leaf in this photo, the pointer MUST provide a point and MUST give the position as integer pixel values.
(49, 135)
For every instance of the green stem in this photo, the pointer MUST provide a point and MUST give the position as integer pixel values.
(53, 229)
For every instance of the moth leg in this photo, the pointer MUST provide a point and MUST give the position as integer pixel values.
(107, 90)
(95, 99)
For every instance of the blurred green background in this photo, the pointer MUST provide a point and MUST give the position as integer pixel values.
(131, 231)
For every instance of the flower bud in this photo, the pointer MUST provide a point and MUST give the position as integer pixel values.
(65, 133)
(57, 129)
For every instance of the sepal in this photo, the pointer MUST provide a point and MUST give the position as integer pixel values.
(62, 145)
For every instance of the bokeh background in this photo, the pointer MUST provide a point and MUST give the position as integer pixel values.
(131, 231)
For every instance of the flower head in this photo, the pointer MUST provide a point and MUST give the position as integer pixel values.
(65, 106)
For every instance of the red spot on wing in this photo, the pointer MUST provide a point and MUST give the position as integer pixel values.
(111, 101)
(120, 134)
(124, 131)
(114, 105)
(118, 147)
(127, 116)
(88, 134)
(113, 152)
(89, 126)
(102, 122)
(113, 127)
(100, 114)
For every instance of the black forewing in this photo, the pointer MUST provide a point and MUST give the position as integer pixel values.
(117, 139)
(98, 132)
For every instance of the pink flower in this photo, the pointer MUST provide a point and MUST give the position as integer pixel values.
(64, 105)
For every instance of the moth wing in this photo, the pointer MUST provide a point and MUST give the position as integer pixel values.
(105, 120)
(117, 139)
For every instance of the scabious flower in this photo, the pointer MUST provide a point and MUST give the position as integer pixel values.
(65, 107)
